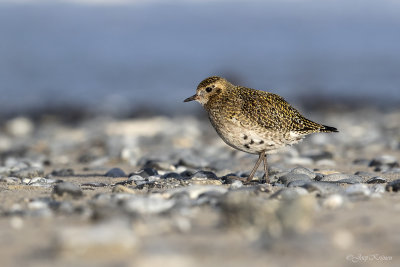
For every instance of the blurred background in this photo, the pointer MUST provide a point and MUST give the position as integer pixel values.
(144, 57)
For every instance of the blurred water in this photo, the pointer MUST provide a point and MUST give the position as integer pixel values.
(113, 58)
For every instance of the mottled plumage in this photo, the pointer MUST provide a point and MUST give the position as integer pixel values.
(251, 120)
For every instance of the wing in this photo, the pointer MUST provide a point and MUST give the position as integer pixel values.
(272, 111)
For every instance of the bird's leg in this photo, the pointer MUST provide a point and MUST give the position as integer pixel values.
(266, 169)
(260, 157)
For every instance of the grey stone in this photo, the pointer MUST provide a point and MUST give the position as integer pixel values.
(358, 190)
(323, 188)
(297, 183)
(115, 172)
(318, 155)
(111, 239)
(136, 178)
(393, 186)
(290, 193)
(145, 173)
(152, 204)
(365, 175)
(28, 172)
(10, 180)
(94, 184)
(63, 172)
(172, 175)
(376, 180)
(342, 178)
(204, 175)
(236, 184)
(67, 189)
(384, 160)
(362, 162)
(290, 177)
(302, 170)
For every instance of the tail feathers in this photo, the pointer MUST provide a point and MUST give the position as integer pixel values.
(328, 129)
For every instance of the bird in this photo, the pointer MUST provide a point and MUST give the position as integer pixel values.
(253, 121)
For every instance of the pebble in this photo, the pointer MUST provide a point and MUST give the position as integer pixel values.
(10, 180)
(172, 175)
(342, 178)
(19, 127)
(204, 175)
(65, 189)
(94, 184)
(194, 191)
(136, 178)
(297, 183)
(108, 240)
(63, 172)
(290, 177)
(202, 181)
(290, 193)
(28, 172)
(388, 160)
(365, 175)
(362, 162)
(145, 173)
(333, 201)
(323, 188)
(236, 184)
(123, 189)
(376, 180)
(152, 204)
(358, 190)
(319, 155)
(115, 172)
(393, 186)
(302, 170)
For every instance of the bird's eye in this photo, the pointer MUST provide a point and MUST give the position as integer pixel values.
(208, 89)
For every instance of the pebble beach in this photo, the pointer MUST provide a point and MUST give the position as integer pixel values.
(160, 190)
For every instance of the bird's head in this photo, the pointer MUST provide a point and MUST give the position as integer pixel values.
(209, 89)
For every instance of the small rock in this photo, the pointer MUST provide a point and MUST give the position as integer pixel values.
(123, 189)
(29, 172)
(136, 178)
(63, 172)
(204, 175)
(19, 127)
(384, 160)
(290, 193)
(297, 183)
(333, 201)
(10, 180)
(153, 204)
(393, 186)
(358, 190)
(104, 241)
(342, 178)
(202, 181)
(365, 175)
(319, 155)
(94, 184)
(363, 162)
(290, 177)
(67, 189)
(377, 189)
(376, 180)
(302, 170)
(194, 191)
(115, 172)
(323, 188)
(236, 184)
(145, 173)
(172, 175)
